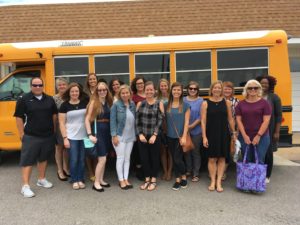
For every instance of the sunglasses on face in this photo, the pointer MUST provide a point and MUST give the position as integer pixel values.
(193, 89)
(252, 88)
(141, 83)
(37, 85)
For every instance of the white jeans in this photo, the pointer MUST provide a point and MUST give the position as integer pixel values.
(123, 151)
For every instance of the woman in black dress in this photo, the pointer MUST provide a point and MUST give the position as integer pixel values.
(216, 116)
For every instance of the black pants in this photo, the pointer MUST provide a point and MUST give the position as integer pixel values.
(177, 155)
(269, 158)
(150, 156)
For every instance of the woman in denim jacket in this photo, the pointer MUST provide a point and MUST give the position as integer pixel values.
(122, 128)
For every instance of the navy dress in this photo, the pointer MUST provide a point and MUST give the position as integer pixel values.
(103, 132)
(217, 131)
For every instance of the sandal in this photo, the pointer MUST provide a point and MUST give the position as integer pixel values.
(220, 189)
(145, 185)
(224, 177)
(75, 186)
(152, 186)
(195, 179)
(211, 188)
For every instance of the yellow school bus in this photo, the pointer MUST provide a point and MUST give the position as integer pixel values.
(235, 57)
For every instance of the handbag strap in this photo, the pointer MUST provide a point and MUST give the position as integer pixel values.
(95, 126)
(246, 153)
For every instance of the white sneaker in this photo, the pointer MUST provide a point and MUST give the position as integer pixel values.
(27, 192)
(268, 180)
(44, 183)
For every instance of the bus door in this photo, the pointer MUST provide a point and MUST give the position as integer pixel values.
(11, 88)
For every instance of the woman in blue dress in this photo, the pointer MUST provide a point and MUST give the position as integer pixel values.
(99, 110)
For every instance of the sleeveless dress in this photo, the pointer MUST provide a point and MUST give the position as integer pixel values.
(104, 144)
(217, 131)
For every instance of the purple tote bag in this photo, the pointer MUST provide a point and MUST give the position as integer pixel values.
(251, 176)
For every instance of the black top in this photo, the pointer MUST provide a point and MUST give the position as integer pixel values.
(217, 131)
(36, 114)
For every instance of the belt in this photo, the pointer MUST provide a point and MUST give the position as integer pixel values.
(103, 120)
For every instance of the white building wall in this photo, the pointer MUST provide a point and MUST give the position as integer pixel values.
(294, 55)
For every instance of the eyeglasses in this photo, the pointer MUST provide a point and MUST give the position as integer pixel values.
(37, 85)
(193, 89)
(140, 83)
(252, 88)
(102, 90)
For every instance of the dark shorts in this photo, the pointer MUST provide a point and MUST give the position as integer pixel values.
(36, 149)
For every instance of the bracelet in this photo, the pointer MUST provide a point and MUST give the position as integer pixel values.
(154, 134)
(65, 137)
(259, 135)
(89, 134)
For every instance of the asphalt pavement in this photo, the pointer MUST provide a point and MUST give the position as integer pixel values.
(193, 205)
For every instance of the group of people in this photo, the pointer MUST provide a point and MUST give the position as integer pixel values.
(145, 126)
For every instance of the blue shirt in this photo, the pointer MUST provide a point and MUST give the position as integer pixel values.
(174, 117)
(195, 114)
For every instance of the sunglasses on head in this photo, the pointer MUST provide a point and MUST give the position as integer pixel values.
(252, 88)
(37, 85)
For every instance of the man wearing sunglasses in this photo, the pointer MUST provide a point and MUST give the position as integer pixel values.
(35, 114)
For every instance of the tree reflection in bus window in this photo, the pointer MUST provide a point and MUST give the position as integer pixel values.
(17, 85)
(241, 65)
(194, 66)
(153, 66)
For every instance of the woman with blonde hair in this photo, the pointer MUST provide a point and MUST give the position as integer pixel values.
(216, 120)
(99, 110)
(165, 154)
(89, 88)
(61, 155)
(253, 116)
(228, 92)
(122, 129)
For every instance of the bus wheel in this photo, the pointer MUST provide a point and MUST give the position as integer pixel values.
(0, 157)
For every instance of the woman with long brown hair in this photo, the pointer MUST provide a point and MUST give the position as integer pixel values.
(177, 116)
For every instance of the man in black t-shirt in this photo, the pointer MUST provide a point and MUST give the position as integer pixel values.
(36, 115)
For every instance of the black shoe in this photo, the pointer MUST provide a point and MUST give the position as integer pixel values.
(61, 179)
(176, 186)
(105, 185)
(66, 174)
(130, 186)
(183, 183)
(96, 189)
(123, 188)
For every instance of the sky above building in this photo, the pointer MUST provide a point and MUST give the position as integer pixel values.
(30, 2)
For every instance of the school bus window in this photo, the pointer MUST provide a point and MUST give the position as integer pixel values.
(71, 65)
(109, 66)
(295, 64)
(194, 66)
(241, 65)
(17, 85)
(153, 66)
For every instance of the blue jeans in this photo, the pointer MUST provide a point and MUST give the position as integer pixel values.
(261, 148)
(77, 156)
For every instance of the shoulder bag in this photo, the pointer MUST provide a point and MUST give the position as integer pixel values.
(90, 147)
(189, 145)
